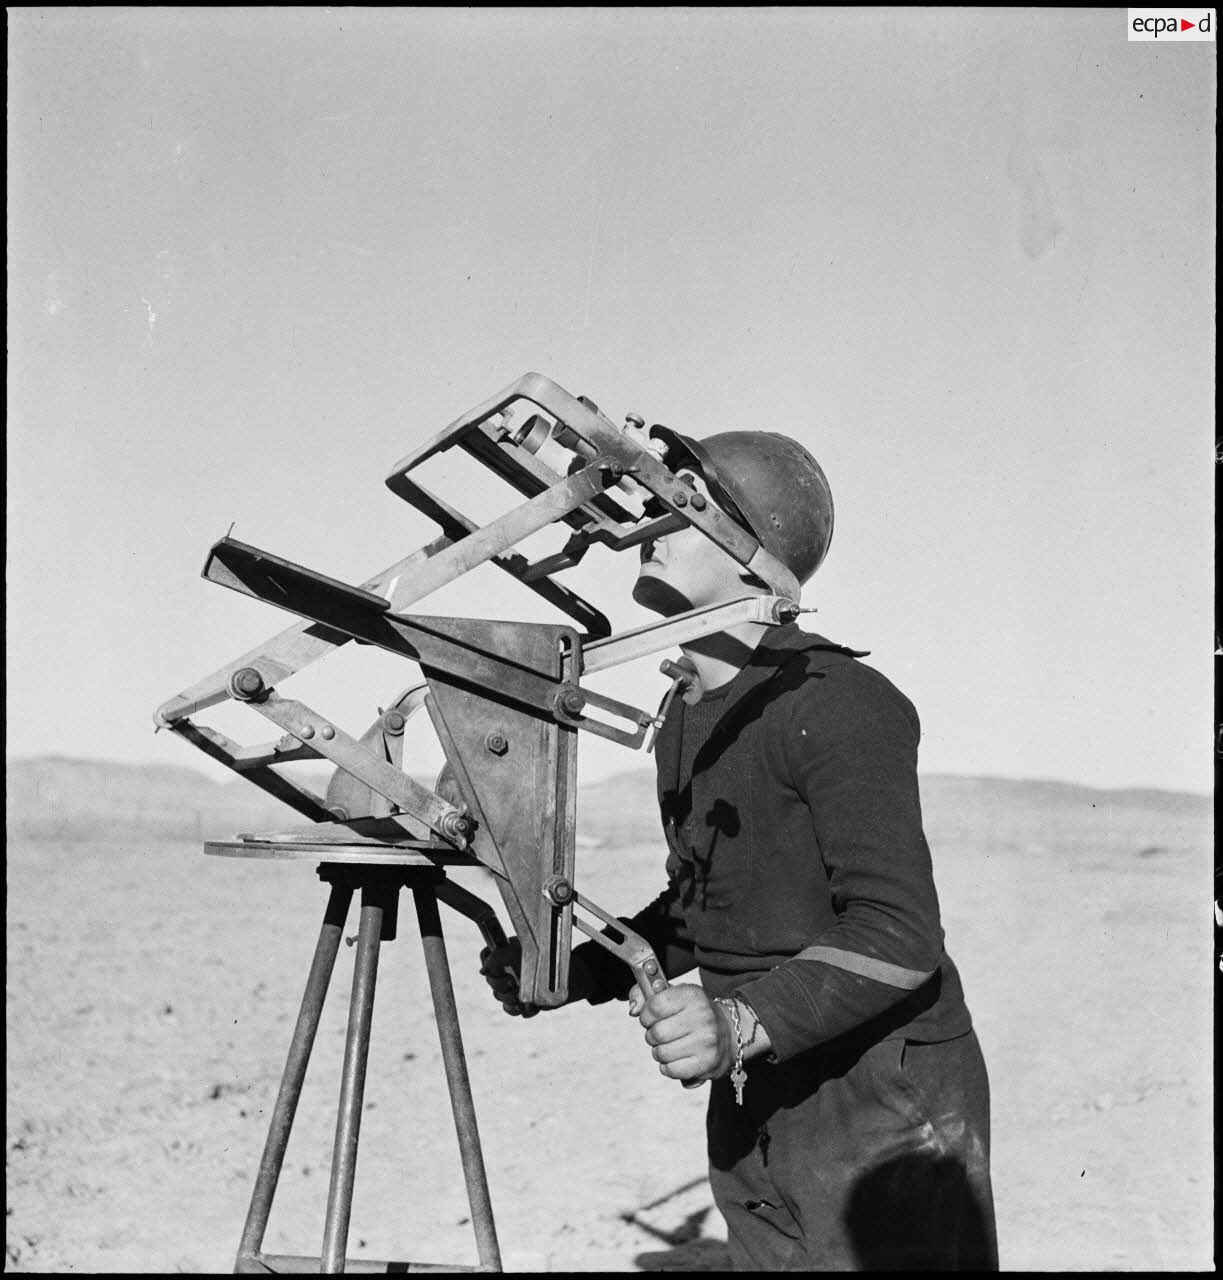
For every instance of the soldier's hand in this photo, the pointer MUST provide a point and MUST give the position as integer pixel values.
(688, 1036)
(501, 967)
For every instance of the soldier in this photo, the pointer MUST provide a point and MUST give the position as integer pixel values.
(848, 1118)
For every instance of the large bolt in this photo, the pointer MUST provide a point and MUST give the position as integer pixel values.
(681, 499)
(785, 611)
(570, 701)
(455, 826)
(698, 501)
(245, 684)
(656, 444)
(497, 743)
(558, 890)
(393, 721)
(327, 731)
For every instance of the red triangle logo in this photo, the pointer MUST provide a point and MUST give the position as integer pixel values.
(1187, 26)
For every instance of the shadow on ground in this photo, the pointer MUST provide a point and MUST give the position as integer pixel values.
(696, 1255)
(687, 1249)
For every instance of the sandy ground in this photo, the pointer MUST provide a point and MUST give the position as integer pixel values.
(151, 992)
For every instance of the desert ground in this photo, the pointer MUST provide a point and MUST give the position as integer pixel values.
(151, 992)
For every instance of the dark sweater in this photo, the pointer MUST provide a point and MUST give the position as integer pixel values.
(799, 875)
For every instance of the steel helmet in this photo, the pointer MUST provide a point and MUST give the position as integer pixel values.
(766, 482)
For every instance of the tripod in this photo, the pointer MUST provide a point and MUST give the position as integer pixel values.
(378, 878)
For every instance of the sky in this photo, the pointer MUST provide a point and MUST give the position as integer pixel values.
(966, 256)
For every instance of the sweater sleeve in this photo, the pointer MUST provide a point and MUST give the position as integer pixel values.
(606, 977)
(849, 746)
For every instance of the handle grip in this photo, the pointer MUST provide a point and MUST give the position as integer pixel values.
(632, 948)
(650, 978)
(485, 919)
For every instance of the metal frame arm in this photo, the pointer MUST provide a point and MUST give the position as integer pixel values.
(599, 442)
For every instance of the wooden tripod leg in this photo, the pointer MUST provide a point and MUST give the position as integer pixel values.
(456, 1075)
(294, 1075)
(352, 1083)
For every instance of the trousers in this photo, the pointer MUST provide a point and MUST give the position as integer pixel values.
(853, 1157)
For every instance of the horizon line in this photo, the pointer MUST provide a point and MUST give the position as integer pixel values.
(647, 769)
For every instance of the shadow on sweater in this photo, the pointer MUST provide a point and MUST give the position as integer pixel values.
(783, 675)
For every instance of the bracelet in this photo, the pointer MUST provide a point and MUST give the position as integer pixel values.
(738, 1077)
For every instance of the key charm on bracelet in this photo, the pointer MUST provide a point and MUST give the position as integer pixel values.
(738, 1077)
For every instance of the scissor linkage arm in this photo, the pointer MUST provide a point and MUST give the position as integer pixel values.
(456, 525)
(448, 821)
(499, 535)
(222, 749)
(400, 585)
(603, 446)
(405, 582)
(460, 647)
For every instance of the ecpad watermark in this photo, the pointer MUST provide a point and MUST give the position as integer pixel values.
(1172, 25)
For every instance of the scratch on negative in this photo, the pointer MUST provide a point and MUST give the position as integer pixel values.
(594, 244)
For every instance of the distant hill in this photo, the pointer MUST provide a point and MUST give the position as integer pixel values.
(60, 798)
(55, 797)
(1020, 813)
(1040, 815)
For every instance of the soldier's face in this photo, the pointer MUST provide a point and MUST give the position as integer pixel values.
(685, 570)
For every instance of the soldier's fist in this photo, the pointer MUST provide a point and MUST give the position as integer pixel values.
(501, 967)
